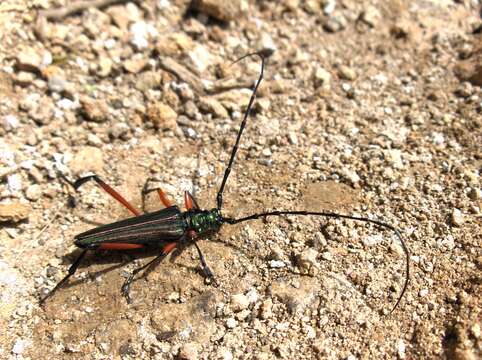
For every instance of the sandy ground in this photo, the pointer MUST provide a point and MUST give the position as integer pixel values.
(370, 108)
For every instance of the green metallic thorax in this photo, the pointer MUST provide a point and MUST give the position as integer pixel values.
(204, 221)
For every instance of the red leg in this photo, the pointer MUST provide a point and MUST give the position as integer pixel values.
(164, 198)
(168, 248)
(119, 246)
(108, 190)
(189, 201)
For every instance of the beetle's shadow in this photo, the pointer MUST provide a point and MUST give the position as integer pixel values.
(104, 257)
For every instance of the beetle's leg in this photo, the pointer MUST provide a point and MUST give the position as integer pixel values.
(79, 182)
(190, 201)
(162, 196)
(164, 199)
(207, 271)
(73, 268)
(127, 284)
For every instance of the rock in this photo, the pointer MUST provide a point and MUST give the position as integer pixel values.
(401, 349)
(87, 159)
(135, 64)
(189, 351)
(211, 105)
(312, 6)
(267, 309)
(14, 182)
(105, 66)
(394, 158)
(347, 73)
(33, 192)
(56, 83)
(24, 78)
(423, 293)
(148, 80)
(322, 77)
(307, 261)
(329, 7)
(200, 58)
(465, 90)
(10, 122)
(140, 34)
(370, 16)
(19, 346)
(224, 354)
(94, 110)
(220, 9)
(291, 5)
(470, 70)
(235, 100)
(14, 212)
(292, 138)
(475, 193)
(457, 218)
(475, 330)
(120, 131)
(190, 133)
(239, 302)
(335, 24)
(352, 176)
(162, 116)
(276, 264)
(30, 60)
(231, 323)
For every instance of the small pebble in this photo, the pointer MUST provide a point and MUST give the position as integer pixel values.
(346, 73)
(19, 346)
(10, 123)
(276, 264)
(33, 192)
(120, 131)
(239, 302)
(423, 292)
(457, 218)
(221, 10)
(231, 323)
(322, 77)
(190, 351)
(475, 330)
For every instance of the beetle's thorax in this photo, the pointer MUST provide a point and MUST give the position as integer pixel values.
(204, 221)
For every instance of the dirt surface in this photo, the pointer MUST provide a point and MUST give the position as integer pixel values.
(367, 107)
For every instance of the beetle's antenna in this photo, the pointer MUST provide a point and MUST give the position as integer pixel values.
(241, 128)
(338, 216)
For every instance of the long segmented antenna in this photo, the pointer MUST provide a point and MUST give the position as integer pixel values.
(339, 216)
(241, 128)
(299, 213)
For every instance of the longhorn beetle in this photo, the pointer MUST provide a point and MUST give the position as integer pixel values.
(170, 228)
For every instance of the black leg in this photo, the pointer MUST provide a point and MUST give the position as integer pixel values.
(73, 268)
(207, 271)
(127, 284)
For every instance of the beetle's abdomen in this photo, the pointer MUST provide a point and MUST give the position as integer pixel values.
(156, 228)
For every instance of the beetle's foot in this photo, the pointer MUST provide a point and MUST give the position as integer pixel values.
(125, 290)
(210, 279)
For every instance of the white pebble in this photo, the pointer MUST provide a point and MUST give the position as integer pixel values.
(231, 323)
(423, 292)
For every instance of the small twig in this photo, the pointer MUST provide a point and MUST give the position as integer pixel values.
(182, 73)
(76, 7)
(48, 224)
